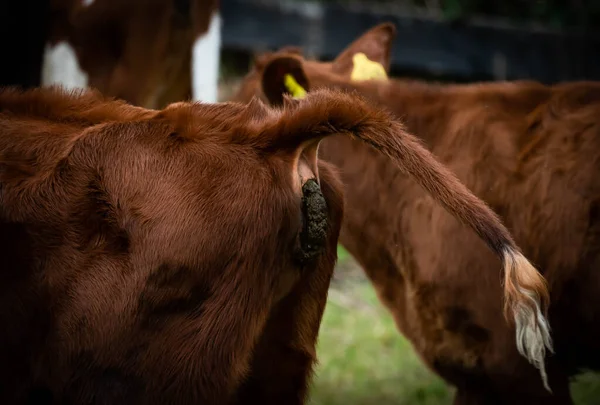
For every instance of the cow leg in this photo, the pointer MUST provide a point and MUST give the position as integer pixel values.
(206, 53)
(283, 360)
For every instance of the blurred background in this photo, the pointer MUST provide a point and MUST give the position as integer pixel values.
(363, 358)
(447, 40)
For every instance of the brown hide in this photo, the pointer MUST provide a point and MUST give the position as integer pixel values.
(136, 50)
(149, 256)
(532, 153)
(155, 257)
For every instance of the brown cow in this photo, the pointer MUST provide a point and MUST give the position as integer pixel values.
(147, 52)
(532, 152)
(168, 257)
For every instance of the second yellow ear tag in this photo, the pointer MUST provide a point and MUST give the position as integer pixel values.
(366, 69)
(293, 87)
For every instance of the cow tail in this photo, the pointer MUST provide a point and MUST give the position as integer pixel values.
(325, 112)
(525, 290)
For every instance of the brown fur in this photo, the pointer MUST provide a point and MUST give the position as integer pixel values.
(136, 50)
(531, 152)
(149, 256)
(144, 254)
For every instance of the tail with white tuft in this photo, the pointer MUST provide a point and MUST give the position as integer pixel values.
(524, 290)
(327, 112)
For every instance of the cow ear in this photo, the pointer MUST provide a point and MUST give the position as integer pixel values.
(375, 45)
(284, 75)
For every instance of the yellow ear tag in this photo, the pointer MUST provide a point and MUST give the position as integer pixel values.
(293, 87)
(365, 69)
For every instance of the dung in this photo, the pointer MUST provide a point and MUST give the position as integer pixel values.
(314, 223)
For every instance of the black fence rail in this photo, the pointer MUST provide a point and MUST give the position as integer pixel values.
(470, 50)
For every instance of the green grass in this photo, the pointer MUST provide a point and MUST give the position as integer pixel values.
(343, 254)
(586, 389)
(363, 360)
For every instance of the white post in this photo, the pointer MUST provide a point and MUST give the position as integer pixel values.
(61, 67)
(206, 56)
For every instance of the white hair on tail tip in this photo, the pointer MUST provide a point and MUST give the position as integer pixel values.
(532, 328)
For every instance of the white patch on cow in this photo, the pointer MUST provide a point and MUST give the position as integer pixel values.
(206, 55)
(87, 3)
(61, 67)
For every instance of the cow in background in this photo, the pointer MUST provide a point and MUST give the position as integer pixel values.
(530, 151)
(183, 256)
(147, 52)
